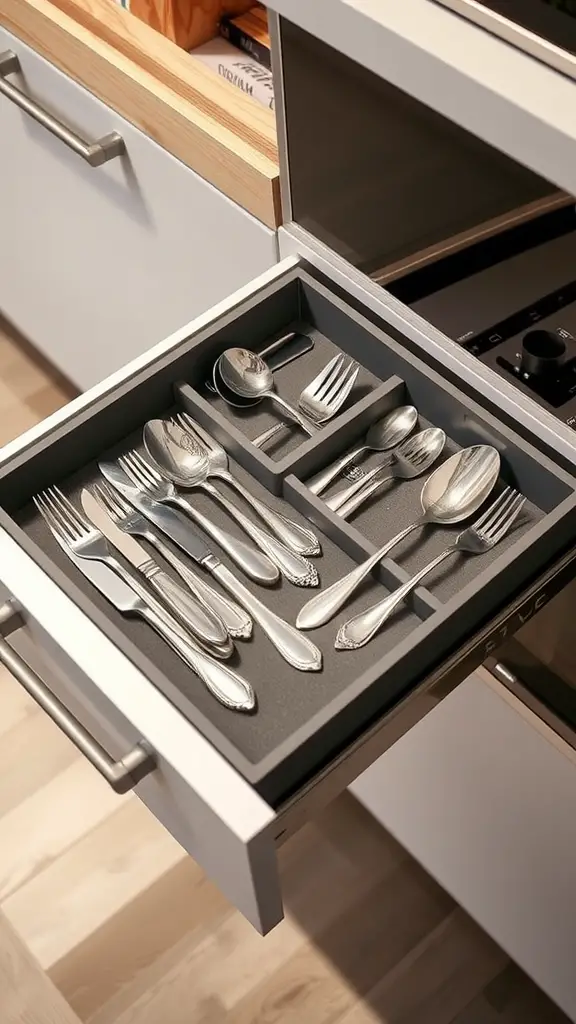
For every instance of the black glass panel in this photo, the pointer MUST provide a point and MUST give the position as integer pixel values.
(378, 176)
(550, 19)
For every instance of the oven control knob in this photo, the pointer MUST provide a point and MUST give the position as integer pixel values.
(542, 353)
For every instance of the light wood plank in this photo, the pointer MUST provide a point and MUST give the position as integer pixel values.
(171, 65)
(27, 996)
(202, 140)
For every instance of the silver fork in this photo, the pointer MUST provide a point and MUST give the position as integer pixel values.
(294, 648)
(237, 621)
(298, 538)
(85, 541)
(476, 539)
(323, 397)
(253, 562)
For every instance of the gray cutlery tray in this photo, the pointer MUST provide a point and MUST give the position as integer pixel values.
(305, 719)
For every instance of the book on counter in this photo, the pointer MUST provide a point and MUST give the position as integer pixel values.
(237, 68)
(249, 32)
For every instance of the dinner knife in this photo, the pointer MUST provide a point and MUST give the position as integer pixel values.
(295, 648)
(226, 685)
(202, 622)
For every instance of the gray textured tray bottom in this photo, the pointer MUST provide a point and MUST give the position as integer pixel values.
(290, 382)
(287, 698)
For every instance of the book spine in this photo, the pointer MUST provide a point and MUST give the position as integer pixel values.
(243, 41)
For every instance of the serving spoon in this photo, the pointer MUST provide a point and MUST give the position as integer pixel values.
(247, 375)
(451, 493)
(386, 433)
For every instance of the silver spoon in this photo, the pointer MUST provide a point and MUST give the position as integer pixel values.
(247, 375)
(453, 492)
(184, 461)
(386, 433)
(413, 457)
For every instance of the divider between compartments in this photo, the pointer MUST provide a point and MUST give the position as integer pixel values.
(355, 544)
(346, 429)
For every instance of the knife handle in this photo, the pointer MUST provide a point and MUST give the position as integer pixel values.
(202, 622)
(226, 685)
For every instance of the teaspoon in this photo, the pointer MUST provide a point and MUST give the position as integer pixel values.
(451, 493)
(247, 375)
(386, 433)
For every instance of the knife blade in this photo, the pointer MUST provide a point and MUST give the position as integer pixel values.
(226, 685)
(167, 519)
(202, 622)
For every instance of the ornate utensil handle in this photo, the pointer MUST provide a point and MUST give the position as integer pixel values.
(226, 685)
(320, 481)
(298, 538)
(360, 629)
(294, 567)
(323, 606)
(296, 649)
(302, 422)
(237, 621)
(342, 497)
(201, 621)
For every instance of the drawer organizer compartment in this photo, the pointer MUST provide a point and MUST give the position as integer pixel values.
(304, 719)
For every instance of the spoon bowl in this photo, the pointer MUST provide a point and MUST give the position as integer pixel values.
(247, 376)
(452, 493)
(460, 485)
(386, 433)
(392, 429)
(229, 396)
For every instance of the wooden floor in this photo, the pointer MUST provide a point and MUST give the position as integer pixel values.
(103, 919)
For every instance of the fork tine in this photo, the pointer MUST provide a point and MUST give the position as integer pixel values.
(497, 517)
(122, 506)
(493, 508)
(49, 518)
(68, 511)
(145, 466)
(103, 498)
(67, 528)
(345, 386)
(513, 513)
(339, 382)
(130, 473)
(190, 424)
(324, 381)
(135, 471)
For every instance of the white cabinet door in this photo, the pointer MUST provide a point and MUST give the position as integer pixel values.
(483, 794)
(98, 263)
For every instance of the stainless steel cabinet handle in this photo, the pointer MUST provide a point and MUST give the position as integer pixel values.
(121, 775)
(95, 153)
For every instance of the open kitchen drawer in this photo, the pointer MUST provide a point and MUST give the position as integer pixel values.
(231, 787)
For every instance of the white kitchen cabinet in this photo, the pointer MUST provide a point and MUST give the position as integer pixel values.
(483, 794)
(98, 263)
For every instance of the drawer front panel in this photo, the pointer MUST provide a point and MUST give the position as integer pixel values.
(98, 263)
(193, 792)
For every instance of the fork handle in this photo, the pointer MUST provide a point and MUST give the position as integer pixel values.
(298, 538)
(237, 621)
(226, 685)
(347, 493)
(320, 481)
(359, 630)
(202, 622)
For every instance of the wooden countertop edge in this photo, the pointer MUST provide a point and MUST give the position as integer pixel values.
(202, 142)
(173, 66)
